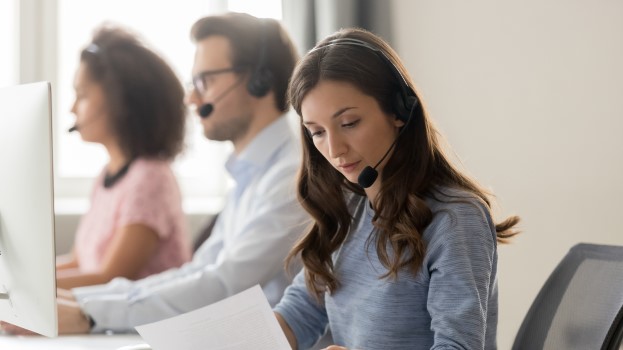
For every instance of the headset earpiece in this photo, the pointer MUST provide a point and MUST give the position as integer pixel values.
(261, 79)
(260, 82)
(404, 106)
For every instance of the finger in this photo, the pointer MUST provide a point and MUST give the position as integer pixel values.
(13, 329)
(65, 294)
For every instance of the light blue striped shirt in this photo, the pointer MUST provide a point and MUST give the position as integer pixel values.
(451, 303)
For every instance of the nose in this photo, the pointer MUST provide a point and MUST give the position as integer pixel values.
(337, 146)
(192, 98)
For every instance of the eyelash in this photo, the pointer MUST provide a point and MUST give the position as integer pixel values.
(350, 125)
(346, 125)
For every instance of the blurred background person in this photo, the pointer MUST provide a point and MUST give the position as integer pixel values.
(241, 71)
(130, 101)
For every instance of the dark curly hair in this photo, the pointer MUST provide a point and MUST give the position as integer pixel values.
(144, 95)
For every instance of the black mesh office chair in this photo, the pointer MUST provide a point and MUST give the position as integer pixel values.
(580, 306)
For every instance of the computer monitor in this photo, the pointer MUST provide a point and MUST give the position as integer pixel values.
(27, 252)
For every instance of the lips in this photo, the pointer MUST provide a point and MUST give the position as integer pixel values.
(348, 167)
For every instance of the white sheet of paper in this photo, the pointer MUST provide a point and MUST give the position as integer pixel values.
(240, 322)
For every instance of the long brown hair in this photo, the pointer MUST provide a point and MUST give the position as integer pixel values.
(416, 169)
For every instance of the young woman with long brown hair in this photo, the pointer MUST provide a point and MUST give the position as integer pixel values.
(402, 253)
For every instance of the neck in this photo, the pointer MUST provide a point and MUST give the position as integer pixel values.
(373, 191)
(263, 116)
(117, 159)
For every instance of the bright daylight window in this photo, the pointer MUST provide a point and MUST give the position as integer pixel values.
(8, 34)
(165, 27)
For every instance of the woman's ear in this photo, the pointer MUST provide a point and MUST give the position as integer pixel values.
(399, 123)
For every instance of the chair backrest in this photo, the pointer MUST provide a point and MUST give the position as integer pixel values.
(205, 232)
(580, 306)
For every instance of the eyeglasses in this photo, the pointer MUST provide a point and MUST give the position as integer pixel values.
(200, 80)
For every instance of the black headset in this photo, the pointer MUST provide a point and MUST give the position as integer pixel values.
(406, 100)
(261, 79)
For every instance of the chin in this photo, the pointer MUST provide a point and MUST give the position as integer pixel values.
(352, 178)
(208, 131)
(86, 138)
(213, 135)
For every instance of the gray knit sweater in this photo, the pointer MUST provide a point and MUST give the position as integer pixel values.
(451, 303)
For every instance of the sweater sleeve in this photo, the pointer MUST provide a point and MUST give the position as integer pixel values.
(460, 260)
(306, 317)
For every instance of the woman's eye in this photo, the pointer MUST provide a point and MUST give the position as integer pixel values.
(315, 133)
(351, 124)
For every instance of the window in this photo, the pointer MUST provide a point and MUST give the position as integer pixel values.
(165, 27)
(8, 43)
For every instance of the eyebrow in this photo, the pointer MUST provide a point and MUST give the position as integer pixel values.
(335, 115)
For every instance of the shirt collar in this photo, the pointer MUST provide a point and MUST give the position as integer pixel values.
(259, 151)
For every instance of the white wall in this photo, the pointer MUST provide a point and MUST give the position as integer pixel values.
(529, 95)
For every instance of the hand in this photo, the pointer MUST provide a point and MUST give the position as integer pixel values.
(15, 330)
(71, 319)
(65, 294)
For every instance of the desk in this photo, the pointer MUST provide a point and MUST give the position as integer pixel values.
(81, 342)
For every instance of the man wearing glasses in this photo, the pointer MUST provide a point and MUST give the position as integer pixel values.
(241, 70)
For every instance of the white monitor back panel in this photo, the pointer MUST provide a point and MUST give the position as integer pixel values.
(27, 253)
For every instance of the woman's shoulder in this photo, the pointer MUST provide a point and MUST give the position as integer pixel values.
(458, 209)
(461, 223)
(444, 198)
